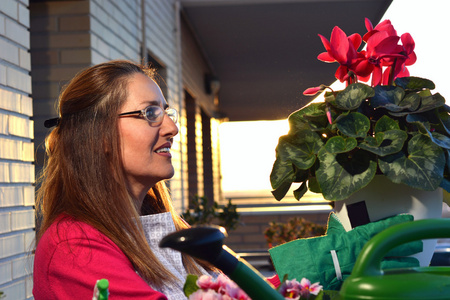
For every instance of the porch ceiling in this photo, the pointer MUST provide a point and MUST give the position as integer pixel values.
(264, 51)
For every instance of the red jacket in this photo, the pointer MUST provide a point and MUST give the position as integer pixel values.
(71, 256)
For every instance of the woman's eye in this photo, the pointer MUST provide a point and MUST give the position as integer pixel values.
(153, 112)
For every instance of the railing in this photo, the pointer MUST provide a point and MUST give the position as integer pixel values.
(265, 204)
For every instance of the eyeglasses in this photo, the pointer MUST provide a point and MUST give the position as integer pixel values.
(155, 114)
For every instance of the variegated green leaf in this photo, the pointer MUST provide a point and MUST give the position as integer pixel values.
(444, 120)
(424, 125)
(282, 177)
(282, 190)
(352, 96)
(354, 125)
(313, 185)
(410, 102)
(414, 83)
(338, 144)
(385, 143)
(299, 149)
(315, 111)
(282, 172)
(440, 140)
(447, 160)
(430, 102)
(294, 150)
(388, 97)
(385, 123)
(422, 168)
(298, 193)
(339, 175)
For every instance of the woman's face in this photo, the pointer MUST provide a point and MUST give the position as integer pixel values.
(145, 146)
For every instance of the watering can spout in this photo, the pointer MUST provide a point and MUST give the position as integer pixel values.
(206, 243)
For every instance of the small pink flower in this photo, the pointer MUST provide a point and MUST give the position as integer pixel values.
(222, 288)
(206, 282)
(307, 288)
(290, 289)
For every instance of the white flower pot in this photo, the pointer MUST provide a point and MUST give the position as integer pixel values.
(383, 199)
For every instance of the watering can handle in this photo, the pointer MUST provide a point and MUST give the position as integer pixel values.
(369, 260)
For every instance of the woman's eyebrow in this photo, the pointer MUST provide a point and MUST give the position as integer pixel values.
(157, 103)
(151, 102)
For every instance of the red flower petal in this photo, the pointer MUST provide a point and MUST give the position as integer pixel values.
(408, 43)
(339, 45)
(387, 27)
(363, 68)
(368, 24)
(376, 75)
(325, 42)
(384, 46)
(411, 59)
(326, 57)
(341, 73)
(356, 40)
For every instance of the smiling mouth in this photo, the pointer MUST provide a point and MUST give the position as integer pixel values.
(163, 150)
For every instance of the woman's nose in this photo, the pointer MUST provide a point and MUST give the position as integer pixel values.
(168, 126)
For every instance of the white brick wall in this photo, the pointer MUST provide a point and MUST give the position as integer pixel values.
(115, 27)
(16, 151)
(67, 36)
(163, 45)
(117, 33)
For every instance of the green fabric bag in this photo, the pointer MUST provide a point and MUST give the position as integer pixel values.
(329, 259)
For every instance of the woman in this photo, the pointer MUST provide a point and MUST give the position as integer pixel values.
(103, 201)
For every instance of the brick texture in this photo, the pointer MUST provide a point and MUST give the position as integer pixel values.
(16, 150)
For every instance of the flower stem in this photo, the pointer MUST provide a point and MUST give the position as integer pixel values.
(391, 73)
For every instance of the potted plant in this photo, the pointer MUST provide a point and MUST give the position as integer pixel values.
(394, 127)
(295, 228)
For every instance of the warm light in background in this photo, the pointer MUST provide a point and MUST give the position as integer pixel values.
(248, 153)
(248, 148)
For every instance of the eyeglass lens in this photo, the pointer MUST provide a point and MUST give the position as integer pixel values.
(156, 113)
(153, 113)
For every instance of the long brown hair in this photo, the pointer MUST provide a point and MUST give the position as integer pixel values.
(83, 175)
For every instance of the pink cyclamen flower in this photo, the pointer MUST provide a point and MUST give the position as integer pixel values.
(290, 289)
(230, 289)
(383, 50)
(385, 26)
(221, 288)
(307, 288)
(207, 282)
(341, 49)
(379, 47)
(400, 64)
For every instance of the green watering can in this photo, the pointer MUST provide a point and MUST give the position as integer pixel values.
(367, 281)
(206, 243)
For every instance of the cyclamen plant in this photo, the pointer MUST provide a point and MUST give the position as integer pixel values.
(394, 127)
(223, 288)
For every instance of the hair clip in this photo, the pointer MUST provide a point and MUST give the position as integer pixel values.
(51, 122)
